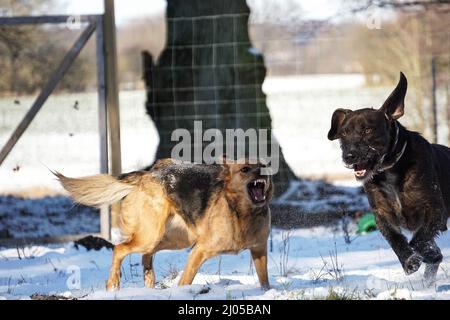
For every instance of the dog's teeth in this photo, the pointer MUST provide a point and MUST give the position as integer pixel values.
(264, 197)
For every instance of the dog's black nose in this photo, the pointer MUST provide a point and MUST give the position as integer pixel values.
(350, 157)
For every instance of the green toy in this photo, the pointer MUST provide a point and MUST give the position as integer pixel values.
(366, 223)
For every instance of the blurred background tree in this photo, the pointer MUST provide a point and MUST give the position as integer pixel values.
(29, 54)
(410, 42)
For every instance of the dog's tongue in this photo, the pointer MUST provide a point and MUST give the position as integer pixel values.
(359, 171)
(257, 194)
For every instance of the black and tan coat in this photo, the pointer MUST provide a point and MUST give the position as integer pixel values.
(214, 209)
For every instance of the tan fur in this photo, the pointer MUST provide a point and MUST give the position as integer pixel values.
(151, 222)
(95, 191)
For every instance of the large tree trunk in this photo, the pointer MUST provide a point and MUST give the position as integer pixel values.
(209, 71)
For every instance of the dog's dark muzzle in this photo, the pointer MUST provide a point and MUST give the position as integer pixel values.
(362, 160)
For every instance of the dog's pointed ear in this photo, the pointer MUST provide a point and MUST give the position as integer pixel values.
(394, 105)
(336, 121)
(223, 160)
(225, 163)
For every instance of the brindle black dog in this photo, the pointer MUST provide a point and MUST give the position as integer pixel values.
(406, 178)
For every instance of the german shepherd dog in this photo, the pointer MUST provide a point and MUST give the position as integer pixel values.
(215, 209)
(407, 179)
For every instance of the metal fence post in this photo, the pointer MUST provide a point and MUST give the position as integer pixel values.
(105, 226)
(112, 96)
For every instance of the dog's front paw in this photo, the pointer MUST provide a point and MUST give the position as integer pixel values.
(412, 264)
(432, 257)
(112, 285)
(429, 251)
(265, 287)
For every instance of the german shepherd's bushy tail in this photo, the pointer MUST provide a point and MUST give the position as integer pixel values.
(95, 191)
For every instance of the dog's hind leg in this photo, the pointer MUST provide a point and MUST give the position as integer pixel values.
(432, 256)
(120, 252)
(124, 249)
(144, 218)
(144, 240)
(149, 272)
(430, 273)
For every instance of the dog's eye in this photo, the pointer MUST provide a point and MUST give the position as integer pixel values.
(245, 169)
(368, 130)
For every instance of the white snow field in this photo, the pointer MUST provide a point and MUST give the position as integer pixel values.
(311, 263)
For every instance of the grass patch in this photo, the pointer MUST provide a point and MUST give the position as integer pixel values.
(344, 294)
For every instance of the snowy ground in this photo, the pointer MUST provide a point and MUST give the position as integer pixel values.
(45, 217)
(319, 265)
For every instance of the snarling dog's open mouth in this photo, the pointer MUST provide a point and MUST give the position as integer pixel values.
(257, 190)
(363, 170)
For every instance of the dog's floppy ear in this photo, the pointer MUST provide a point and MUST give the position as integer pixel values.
(394, 105)
(336, 122)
